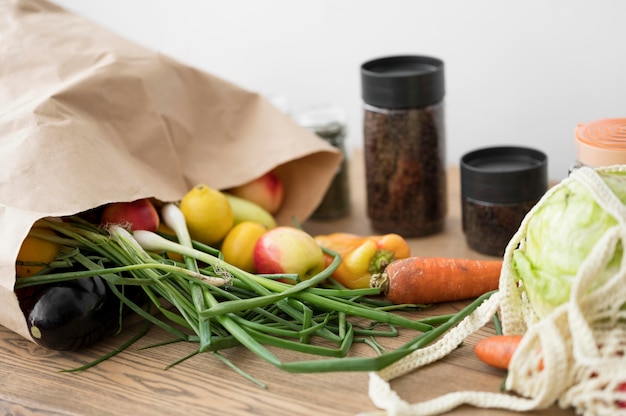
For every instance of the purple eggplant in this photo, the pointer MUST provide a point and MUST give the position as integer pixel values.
(73, 314)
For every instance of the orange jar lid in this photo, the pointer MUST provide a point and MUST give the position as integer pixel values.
(602, 142)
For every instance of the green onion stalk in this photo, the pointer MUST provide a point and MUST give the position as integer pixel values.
(205, 300)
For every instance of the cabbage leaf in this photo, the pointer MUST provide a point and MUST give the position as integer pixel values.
(561, 233)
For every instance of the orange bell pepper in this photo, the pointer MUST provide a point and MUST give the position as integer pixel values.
(362, 256)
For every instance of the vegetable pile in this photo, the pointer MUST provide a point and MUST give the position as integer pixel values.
(151, 265)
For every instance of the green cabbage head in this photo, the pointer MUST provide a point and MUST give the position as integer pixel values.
(562, 231)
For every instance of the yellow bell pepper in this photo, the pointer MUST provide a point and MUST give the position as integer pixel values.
(362, 256)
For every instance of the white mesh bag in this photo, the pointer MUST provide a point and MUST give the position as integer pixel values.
(573, 348)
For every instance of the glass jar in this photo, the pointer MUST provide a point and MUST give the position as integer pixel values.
(329, 122)
(404, 144)
(499, 186)
(601, 143)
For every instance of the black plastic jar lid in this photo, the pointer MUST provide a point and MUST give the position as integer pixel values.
(402, 81)
(504, 174)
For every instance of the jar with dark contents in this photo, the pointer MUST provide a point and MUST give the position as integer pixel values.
(404, 144)
(499, 186)
(329, 123)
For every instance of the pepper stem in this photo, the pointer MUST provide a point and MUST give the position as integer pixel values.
(380, 261)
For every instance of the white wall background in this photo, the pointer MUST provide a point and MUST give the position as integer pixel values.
(517, 72)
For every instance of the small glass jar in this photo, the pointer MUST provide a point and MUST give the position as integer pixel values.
(601, 143)
(329, 122)
(499, 186)
(404, 144)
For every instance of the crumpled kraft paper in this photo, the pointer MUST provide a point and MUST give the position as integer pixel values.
(88, 117)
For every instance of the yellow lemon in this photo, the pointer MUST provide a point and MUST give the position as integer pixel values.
(208, 214)
(238, 245)
(35, 250)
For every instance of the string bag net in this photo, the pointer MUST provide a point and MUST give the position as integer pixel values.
(572, 353)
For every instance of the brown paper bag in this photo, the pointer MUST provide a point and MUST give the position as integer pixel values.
(87, 118)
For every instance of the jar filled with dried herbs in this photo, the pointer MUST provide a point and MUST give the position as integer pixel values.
(499, 186)
(328, 121)
(404, 144)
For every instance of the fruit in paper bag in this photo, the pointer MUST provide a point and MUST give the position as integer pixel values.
(266, 191)
(136, 215)
(244, 210)
(288, 250)
(35, 250)
(208, 214)
(238, 245)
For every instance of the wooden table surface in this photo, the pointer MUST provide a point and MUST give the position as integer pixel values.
(136, 383)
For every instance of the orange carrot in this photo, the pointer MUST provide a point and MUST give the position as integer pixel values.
(425, 280)
(497, 350)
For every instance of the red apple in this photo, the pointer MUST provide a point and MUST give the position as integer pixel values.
(288, 250)
(266, 191)
(137, 215)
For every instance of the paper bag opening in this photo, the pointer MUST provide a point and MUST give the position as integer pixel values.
(88, 117)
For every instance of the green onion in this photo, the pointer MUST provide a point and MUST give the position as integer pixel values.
(219, 306)
(175, 219)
